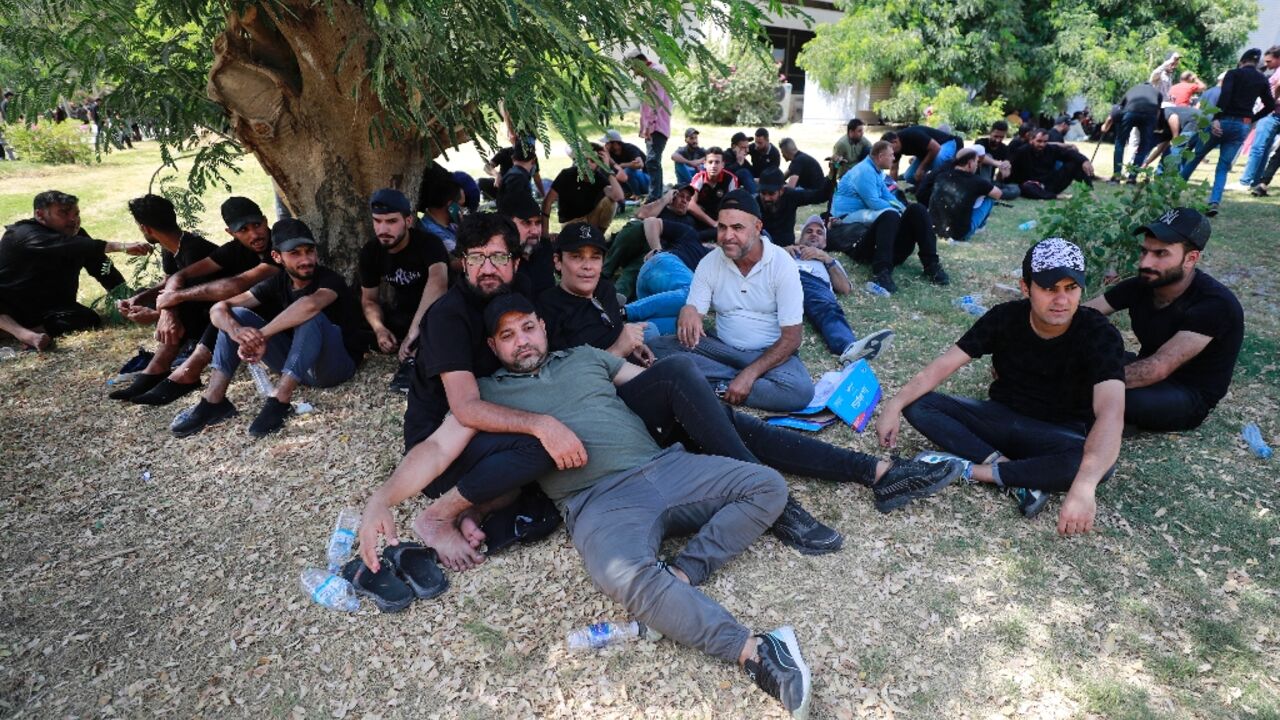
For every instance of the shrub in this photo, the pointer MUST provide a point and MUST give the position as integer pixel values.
(1103, 227)
(950, 105)
(745, 95)
(53, 143)
(906, 106)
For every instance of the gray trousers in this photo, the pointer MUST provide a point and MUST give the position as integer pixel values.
(785, 388)
(619, 523)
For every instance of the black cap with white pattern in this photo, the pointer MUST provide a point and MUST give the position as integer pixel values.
(1051, 260)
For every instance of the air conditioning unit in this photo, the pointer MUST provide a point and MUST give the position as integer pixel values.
(782, 93)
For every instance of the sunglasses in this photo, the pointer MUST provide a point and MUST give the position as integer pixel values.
(604, 314)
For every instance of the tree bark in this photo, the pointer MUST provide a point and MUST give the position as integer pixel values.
(293, 81)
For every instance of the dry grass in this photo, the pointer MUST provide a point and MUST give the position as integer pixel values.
(178, 596)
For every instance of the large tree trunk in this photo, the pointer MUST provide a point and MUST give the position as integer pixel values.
(295, 87)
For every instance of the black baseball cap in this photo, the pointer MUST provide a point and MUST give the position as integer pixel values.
(1179, 225)
(519, 205)
(240, 211)
(512, 302)
(742, 200)
(739, 137)
(1051, 260)
(681, 187)
(389, 200)
(289, 233)
(579, 234)
(771, 180)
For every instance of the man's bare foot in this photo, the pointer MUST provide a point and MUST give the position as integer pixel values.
(441, 535)
(471, 531)
(38, 341)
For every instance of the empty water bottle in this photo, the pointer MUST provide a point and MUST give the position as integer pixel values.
(8, 353)
(875, 289)
(325, 588)
(260, 378)
(1028, 225)
(610, 633)
(971, 304)
(343, 538)
(1253, 438)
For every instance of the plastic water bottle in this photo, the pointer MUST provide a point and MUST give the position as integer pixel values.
(971, 304)
(1028, 225)
(605, 634)
(8, 353)
(1253, 438)
(343, 538)
(325, 588)
(262, 380)
(875, 289)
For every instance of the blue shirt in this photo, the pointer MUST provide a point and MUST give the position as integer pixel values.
(862, 194)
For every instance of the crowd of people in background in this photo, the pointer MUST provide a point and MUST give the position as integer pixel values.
(571, 374)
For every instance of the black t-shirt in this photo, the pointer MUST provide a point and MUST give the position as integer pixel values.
(1055, 136)
(405, 272)
(1141, 99)
(710, 195)
(573, 321)
(234, 258)
(915, 139)
(808, 169)
(192, 248)
(626, 153)
(576, 196)
(1049, 380)
(762, 160)
(40, 267)
(780, 217)
(951, 203)
(1040, 166)
(452, 339)
(691, 153)
(996, 150)
(505, 158)
(514, 181)
(1206, 307)
(539, 269)
(670, 216)
(277, 293)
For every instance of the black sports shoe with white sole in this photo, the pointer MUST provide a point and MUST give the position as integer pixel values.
(781, 671)
(906, 480)
(797, 528)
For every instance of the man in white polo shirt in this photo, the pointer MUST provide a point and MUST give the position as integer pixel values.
(753, 286)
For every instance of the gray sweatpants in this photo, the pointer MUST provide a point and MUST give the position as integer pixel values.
(619, 523)
(785, 388)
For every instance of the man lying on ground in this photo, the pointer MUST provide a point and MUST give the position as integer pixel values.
(40, 263)
(626, 495)
(1189, 325)
(1056, 412)
(229, 270)
(310, 331)
(414, 266)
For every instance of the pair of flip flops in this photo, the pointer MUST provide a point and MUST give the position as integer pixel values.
(408, 572)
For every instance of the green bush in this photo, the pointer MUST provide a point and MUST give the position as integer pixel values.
(951, 105)
(1103, 226)
(53, 143)
(742, 96)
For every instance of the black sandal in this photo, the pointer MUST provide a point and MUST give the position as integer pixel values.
(384, 588)
(416, 564)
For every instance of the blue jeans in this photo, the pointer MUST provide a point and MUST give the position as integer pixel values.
(785, 388)
(656, 145)
(1264, 133)
(1180, 154)
(637, 182)
(746, 181)
(663, 288)
(1229, 142)
(685, 173)
(945, 153)
(312, 352)
(1146, 126)
(980, 215)
(823, 310)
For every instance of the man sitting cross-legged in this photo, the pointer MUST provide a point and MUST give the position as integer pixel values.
(314, 336)
(414, 265)
(229, 270)
(189, 322)
(1190, 327)
(1056, 412)
(754, 288)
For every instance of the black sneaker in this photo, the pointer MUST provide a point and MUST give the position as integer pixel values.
(1258, 190)
(203, 415)
(403, 378)
(270, 417)
(797, 528)
(907, 480)
(781, 671)
(141, 384)
(1030, 502)
(166, 392)
(884, 279)
(934, 273)
(1212, 211)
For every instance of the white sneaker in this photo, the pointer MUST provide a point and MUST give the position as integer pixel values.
(868, 347)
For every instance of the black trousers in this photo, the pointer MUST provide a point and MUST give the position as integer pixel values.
(892, 237)
(1164, 407)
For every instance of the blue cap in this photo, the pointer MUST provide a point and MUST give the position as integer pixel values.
(389, 200)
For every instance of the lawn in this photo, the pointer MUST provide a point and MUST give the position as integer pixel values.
(148, 576)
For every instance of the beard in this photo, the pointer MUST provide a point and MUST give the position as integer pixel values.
(1152, 279)
(301, 273)
(477, 292)
(527, 363)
